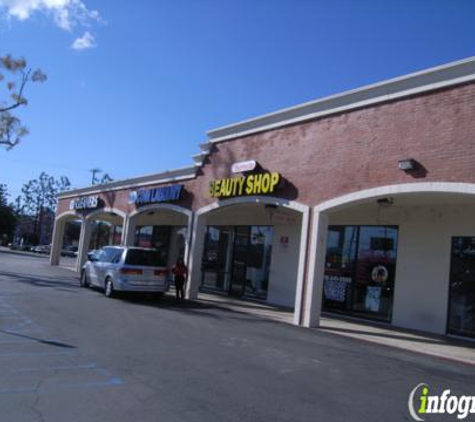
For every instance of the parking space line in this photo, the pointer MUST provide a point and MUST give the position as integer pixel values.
(26, 325)
(56, 368)
(35, 353)
(114, 381)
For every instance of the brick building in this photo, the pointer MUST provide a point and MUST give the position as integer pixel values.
(359, 204)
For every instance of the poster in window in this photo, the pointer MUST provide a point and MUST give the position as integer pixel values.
(373, 298)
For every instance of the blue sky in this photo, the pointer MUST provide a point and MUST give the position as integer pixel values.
(153, 75)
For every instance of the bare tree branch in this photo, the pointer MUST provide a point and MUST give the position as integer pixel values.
(11, 129)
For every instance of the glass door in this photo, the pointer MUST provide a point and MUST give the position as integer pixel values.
(461, 319)
(239, 261)
(215, 261)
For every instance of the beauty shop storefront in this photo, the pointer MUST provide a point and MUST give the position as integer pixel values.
(360, 204)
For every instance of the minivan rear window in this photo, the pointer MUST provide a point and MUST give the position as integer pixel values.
(144, 258)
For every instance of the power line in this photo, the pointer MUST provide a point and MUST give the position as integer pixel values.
(44, 163)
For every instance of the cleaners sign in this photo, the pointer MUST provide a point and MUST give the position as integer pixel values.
(84, 203)
(149, 196)
(253, 184)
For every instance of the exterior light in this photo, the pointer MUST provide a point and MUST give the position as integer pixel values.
(407, 164)
(385, 202)
(244, 166)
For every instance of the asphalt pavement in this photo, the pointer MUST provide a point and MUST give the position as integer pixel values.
(70, 354)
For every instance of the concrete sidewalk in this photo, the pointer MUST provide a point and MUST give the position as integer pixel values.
(439, 346)
(428, 344)
(248, 307)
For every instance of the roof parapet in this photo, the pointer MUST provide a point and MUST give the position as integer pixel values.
(426, 80)
(167, 176)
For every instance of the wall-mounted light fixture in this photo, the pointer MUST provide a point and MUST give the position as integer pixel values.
(407, 164)
(271, 209)
(385, 202)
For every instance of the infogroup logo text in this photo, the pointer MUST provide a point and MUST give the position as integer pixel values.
(422, 404)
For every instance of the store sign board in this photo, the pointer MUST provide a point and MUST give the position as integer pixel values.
(84, 203)
(154, 195)
(243, 166)
(253, 184)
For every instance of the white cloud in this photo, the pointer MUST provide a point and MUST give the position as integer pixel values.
(84, 42)
(65, 13)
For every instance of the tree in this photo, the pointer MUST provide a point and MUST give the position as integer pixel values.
(19, 75)
(7, 215)
(39, 196)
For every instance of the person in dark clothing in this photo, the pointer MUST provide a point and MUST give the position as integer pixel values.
(180, 272)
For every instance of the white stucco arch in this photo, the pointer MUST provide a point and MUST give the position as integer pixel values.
(158, 207)
(106, 210)
(69, 213)
(312, 309)
(58, 232)
(128, 234)
(86, 230)
(293, 205)
(396, 189)
(198, 239)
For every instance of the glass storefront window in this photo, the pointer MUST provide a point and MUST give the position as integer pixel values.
(143, 236)
(258, 260)
(100, 234)
(360, 270)
(461, 319)
(117, 235)
(237, 259)
(159, 237)
(181, 234)
(215, 257)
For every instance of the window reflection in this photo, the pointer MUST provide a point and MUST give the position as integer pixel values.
(169, 241)
(462, 287)
(237, 259)
(360, 270)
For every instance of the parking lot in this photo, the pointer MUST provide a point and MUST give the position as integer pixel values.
(68, 353)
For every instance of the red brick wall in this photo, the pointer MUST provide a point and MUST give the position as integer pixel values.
(352, 151)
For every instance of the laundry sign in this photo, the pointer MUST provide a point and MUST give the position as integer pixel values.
(252, 184)
(154, 195)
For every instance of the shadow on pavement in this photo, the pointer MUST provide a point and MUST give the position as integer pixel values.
(39, 340)
(41, 281)
(197, 308)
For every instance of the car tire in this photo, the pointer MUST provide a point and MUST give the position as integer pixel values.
(109, 288)
(83, 281)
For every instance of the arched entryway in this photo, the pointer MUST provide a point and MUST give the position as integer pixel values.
(165, 227)
(250, 247)
(65, 241)
(100, 227)
(398, 254)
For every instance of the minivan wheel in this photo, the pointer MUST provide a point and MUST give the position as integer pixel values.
(109, 288)
(83, 281)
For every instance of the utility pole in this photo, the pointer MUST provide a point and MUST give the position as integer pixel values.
(94, 172)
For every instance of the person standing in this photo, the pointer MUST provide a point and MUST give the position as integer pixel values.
(180, 272)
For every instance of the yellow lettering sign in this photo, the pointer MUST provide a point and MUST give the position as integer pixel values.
(253, 184)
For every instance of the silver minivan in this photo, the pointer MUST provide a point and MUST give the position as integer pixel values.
(127, 269)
